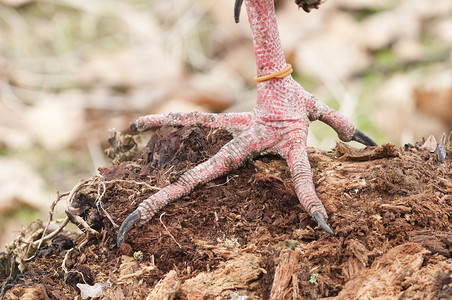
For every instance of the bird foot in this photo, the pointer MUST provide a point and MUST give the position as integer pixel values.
(278, 124)
(253, 137)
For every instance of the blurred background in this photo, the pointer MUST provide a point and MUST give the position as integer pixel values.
(72, 69)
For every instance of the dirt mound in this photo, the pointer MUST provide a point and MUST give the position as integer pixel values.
(245, 234)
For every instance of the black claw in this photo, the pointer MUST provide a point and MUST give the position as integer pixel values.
(362, 138)
(237, 8)
(131, 220)
(320, 219)
(133, 127)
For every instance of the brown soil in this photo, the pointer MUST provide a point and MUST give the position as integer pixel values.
(245, 234)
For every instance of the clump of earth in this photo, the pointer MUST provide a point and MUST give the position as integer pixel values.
(245, 235)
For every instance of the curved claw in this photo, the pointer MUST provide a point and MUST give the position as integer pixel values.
(132, 219)
(134, 127)
(362, 138)
(320, 219)
(237, 8)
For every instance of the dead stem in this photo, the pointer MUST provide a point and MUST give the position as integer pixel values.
(228, 178)
(99, 205)
(77, 220)
(161, 221)
(74, 190)
(63, 264)
(104, 183)
(134, 182)
(37, 244)
(136, 274)
(92, 183)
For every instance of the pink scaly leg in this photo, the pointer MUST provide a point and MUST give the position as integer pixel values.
(294, 151)
(233, 122)
(231, 156)
(341, 124)
(344, 127)
(279, 123)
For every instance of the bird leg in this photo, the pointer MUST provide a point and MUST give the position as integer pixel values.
(278, 124)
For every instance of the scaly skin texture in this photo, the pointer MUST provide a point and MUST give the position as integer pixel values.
(278, 124)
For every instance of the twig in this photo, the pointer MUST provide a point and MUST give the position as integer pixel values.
(161, 221)
(108, 215)
(167, 171)
(99, 204)
(228, 178)
(99, 199)
(74, 190)
(51, 235)
(134, 182)
(63, 264)
(136, 274)
(77, 220)
(37, 244)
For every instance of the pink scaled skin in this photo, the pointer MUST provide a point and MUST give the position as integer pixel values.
(278, 124)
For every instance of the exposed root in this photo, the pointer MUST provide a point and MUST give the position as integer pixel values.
(146, 269)
(63, 263)
(168, 231)
(37, 244)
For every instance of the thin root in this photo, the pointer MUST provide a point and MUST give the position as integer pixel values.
(161, 221)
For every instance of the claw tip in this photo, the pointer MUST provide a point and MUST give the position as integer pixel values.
(237, 8)
(320, 219)
(134, 127)
(362, 138)
(131, 220)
